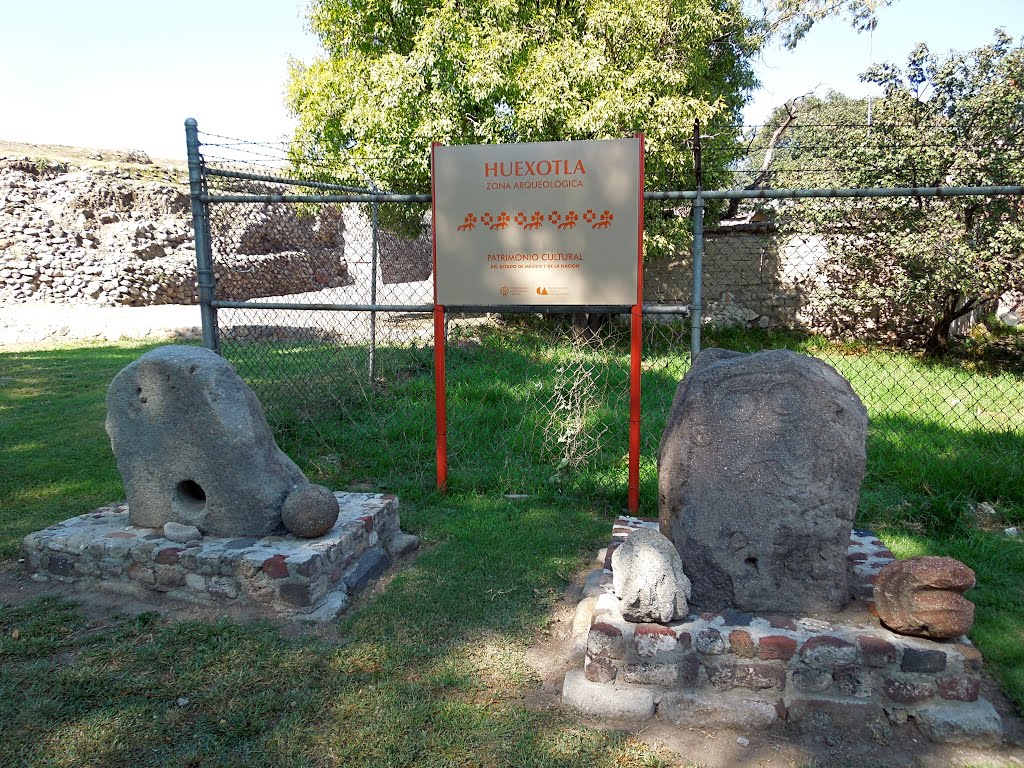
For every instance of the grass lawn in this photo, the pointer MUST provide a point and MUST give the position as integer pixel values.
(433, 671)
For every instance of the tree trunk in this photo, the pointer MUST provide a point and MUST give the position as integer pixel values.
(587, 325)
(937, 343)
(792, 107)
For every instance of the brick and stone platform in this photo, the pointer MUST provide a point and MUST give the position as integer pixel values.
(746, 671)
(308, 579)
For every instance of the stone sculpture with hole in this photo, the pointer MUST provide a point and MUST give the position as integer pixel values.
(216, 512)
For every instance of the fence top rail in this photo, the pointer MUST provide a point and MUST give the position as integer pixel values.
(711, 194)
(225, 174)
(284, 305)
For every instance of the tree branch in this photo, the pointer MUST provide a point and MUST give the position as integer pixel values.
(792, 108)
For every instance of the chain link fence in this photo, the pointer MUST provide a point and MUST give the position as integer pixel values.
(327, 314)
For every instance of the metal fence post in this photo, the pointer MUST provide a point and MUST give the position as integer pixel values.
(698, 244)
(698, 273)
(201, 227)
(373, 289)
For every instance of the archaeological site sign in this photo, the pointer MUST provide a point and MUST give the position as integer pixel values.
(552, 223)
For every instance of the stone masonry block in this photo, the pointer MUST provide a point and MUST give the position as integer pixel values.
(908, 691)
(828, 651)
(970, 657)
(976, 723)
(852, 680)
(755, 676)
(61, 565)
(923, 660)
(600, 669)
(619, 701)
(372, 564)
(650, 674)
(857, 720)
(776, 647)
(689, 671)
(606, 639)
(142, 574)
(811, 680)
(710, 642)
(741, 644)
(698, 711)
(295, 595)
(959, 688)
(275, 567)
(877, 653)
(653, 639)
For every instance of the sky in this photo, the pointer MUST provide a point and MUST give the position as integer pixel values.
(124, 74)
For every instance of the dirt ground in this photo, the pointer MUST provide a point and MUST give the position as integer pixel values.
(549, 657)
(86, 156)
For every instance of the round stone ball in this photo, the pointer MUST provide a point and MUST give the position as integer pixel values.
(310, 511)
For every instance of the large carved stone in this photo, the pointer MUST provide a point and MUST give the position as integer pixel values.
(759, 475)
(193, 445)
(924, 596)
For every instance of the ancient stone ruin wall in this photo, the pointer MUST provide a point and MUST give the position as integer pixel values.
(757, 276)
(752, 276)
(111, 236)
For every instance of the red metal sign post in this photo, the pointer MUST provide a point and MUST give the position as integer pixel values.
(528, 225)
(635, 354)
(440, 394)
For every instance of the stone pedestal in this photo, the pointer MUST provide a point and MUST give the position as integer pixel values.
(309, 579)
(748, 671)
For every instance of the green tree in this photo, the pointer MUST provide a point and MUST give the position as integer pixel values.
(912, 265)
(400, 75)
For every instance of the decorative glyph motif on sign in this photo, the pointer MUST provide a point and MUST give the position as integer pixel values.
(536, 220)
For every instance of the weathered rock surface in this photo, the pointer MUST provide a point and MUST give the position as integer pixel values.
(621, 702)
(976, 723)
(924, 596)
(402, 544)
(648, 578)
(759, 475)
(193, 446)
(310, 511)
(180, 533)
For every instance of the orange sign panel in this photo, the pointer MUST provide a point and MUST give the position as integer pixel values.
(552, 223)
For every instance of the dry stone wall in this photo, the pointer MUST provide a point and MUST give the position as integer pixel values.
(122, 235)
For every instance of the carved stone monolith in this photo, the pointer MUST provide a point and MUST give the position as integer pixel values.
(759, 475)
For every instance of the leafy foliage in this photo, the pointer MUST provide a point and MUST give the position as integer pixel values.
(912, 265)
(398, 76)
(791, 20)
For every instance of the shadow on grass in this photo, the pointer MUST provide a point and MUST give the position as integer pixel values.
(922, 456)
(431, 672)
